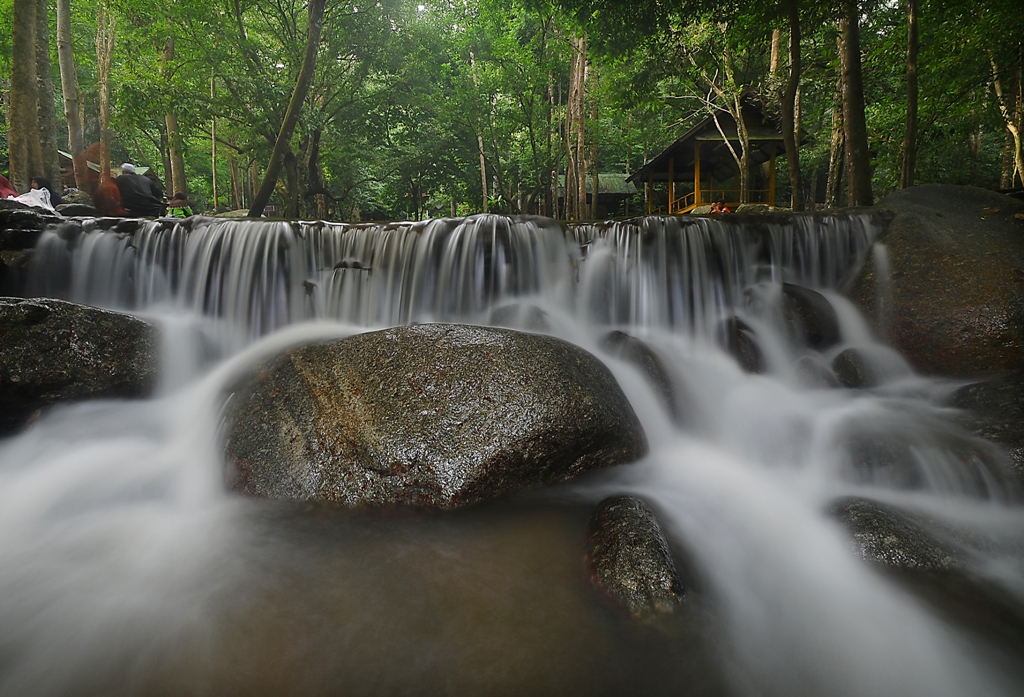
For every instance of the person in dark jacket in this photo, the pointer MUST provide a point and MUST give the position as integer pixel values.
(140, 196)
(44, 183)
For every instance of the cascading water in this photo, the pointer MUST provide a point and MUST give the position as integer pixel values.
(126, 568)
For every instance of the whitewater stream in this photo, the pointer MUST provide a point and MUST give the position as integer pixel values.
(126, 567)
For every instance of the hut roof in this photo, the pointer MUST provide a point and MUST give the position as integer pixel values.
(715, 157)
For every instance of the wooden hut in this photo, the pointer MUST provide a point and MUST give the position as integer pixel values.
(699, 168)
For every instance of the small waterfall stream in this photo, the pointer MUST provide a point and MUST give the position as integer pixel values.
(126, 568)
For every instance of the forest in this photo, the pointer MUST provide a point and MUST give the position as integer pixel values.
(408, 109)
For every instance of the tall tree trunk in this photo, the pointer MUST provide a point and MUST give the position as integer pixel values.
(910, 133)
(179, 183)
(69, 87)
(1006, 170)
(49, 159)
(291, 118)
(836, 151)
(790, 128)
(1009, 107)
(291, 178)
(858, 159)
(105, 26)
(592, 157)
(213, 140)
(23, 119)
(480, 142)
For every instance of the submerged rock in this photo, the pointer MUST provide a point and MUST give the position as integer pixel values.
(994, 410)
(952, 298)
(518, 316)
(934, 561)
(635, 351)
(814, 374)
(810, 317)
(736, 337)
(56, 351)
(852, 369)
(630, 560)
(434, 415)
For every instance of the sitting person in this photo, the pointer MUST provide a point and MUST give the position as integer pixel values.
(719, 207)
(6, 190)
(44, 183)
(179, 206)
(141, 197)
(107, 200)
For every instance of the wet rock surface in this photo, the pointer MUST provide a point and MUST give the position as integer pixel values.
(994, 410)
(433, 415)
(55, 351)
(852, 369)
(884, 535)
(77, 209)
(630, 560)
(810, 318)
(934, 561)
(954, 300)
(637, 352)
(740, 341)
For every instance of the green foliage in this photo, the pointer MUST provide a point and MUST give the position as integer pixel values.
(405, 90)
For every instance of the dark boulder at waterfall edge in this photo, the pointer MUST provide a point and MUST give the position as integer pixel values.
(995, 410)
(810, 318)
(740, 341)
(934, 560)
(630, 561)
(634, 351)
(953, 302)
(433, 415)
(853, 369)
(56, 351)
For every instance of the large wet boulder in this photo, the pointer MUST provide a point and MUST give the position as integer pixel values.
(630, 560)
(56, 351)
(995, 410)
(953, 301)
(739, 340)
(434, 415)
(936, 561)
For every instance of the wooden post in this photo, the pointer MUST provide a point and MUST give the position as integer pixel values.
(771, 175)
(671, 183)
(696, 173)
(650, 191)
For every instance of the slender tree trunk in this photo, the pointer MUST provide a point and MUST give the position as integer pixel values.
(23, 119)
(1006, 170)
(790, 126)
(105, 26)
(165, 156)
(594, 171)
(316, 23)
(480, 142)
(910, 134)
(1010, 108)
(291, 178)
(179, 183)
(836, 151)
(236, 198)
(50, 160)
(213, 140)
(858, 158)
(69, 86)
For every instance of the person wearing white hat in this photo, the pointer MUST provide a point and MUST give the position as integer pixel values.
(140, 196)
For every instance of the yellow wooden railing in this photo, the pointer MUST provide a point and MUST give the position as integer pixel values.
(687, 202)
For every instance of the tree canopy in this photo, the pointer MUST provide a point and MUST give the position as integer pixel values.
(425, 108)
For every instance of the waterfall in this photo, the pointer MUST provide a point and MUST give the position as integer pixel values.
(126, 568)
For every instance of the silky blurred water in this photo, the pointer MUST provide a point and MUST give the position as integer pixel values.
(126, 568)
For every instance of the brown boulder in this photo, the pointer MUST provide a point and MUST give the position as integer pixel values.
(435, 415)
(954, 298)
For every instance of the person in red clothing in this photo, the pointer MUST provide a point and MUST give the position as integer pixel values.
(6, 190)
(107, 200)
